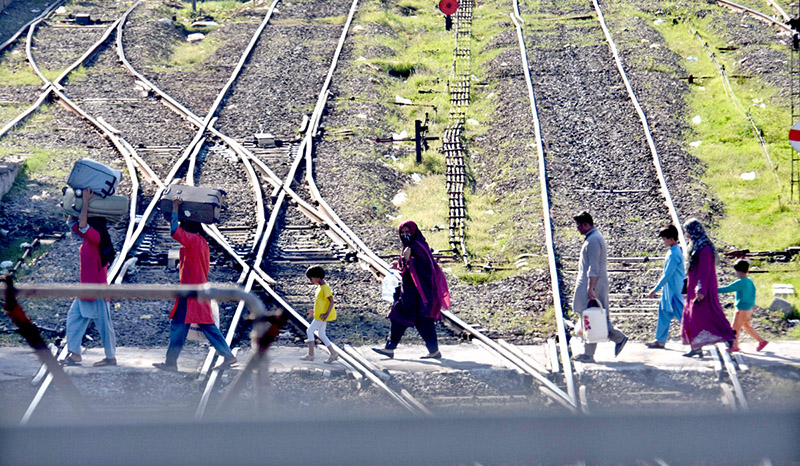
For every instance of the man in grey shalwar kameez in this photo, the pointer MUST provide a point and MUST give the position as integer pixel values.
(592, 282)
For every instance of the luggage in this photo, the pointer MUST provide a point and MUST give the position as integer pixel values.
(199, 204)
(88, 174)
(113, 208)
(593, 325)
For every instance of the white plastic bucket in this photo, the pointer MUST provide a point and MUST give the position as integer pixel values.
(593, 326)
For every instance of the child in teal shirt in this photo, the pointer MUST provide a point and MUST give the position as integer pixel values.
(745, 303)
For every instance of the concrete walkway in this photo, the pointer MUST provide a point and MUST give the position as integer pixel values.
(20, 363)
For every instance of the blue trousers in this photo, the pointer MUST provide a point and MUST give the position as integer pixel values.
(78, 317)
(666, 312)
(178, 329)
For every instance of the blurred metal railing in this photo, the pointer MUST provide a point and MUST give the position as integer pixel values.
(718, 438)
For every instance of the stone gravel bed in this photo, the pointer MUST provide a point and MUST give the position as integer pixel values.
(59, 41)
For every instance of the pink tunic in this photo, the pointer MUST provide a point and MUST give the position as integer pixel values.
(195, 264)
(704, 322)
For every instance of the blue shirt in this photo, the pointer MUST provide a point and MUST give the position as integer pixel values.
(745, 293)
(674, 273)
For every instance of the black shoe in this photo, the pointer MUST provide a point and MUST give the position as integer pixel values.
(695, 352)
(583, 358)
(618, 347)
(386, 352)
(165, 367)
(436, 355)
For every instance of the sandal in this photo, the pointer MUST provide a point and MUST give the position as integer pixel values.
(68, 361)
(332, 359)
(307, 357)
(228, 362)
(105, 362)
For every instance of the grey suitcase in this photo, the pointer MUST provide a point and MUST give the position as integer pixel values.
(199, 204)
(114, 208)
(88, 174)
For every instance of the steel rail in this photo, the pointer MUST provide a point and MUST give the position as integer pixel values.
(548, 227)
(730, 367)
(129, 153)
(645, 125)
(48, 85)
(338, 231)
(29, 53)
(779, 10)
(380, 266)
(723, 355)
(756, 14)
(257, 272)
(731, 95)
(119, 259)
(41, 16)
(72, 290)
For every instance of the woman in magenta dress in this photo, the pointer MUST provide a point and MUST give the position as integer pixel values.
(704, 322)
(423, 294)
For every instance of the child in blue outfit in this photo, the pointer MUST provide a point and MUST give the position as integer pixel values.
(745, 291)
(670, 306)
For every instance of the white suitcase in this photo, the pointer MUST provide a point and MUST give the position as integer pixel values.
(593, 325)
(88, 174)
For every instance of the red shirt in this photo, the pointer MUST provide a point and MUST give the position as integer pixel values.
(194, 267)
(91, 270)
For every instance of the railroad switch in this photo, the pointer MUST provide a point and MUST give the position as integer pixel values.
(420, 138)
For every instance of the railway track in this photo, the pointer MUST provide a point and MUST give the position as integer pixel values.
(324, 214)
(763, 17)
(733, 395)
(298, 227)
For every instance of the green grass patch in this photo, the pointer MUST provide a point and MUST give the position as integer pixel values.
(778, 273)
(10, 111)
(19, 77)
(729, 148)
(427, 207)
(188, 55)
(78, 74)
(215, 10)
(332, 20)
(433, 163)
(418, 67)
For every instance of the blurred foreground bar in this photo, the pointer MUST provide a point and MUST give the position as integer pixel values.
(719, 438)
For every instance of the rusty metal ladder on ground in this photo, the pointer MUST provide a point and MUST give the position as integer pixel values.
(452, 146)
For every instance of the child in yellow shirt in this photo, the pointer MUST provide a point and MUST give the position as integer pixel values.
(323, 313)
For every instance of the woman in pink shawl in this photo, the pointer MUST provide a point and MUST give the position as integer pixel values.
(704, 321)
(423, 293)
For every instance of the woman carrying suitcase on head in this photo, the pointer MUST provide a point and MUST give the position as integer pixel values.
(194, 267)
(96, 254)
